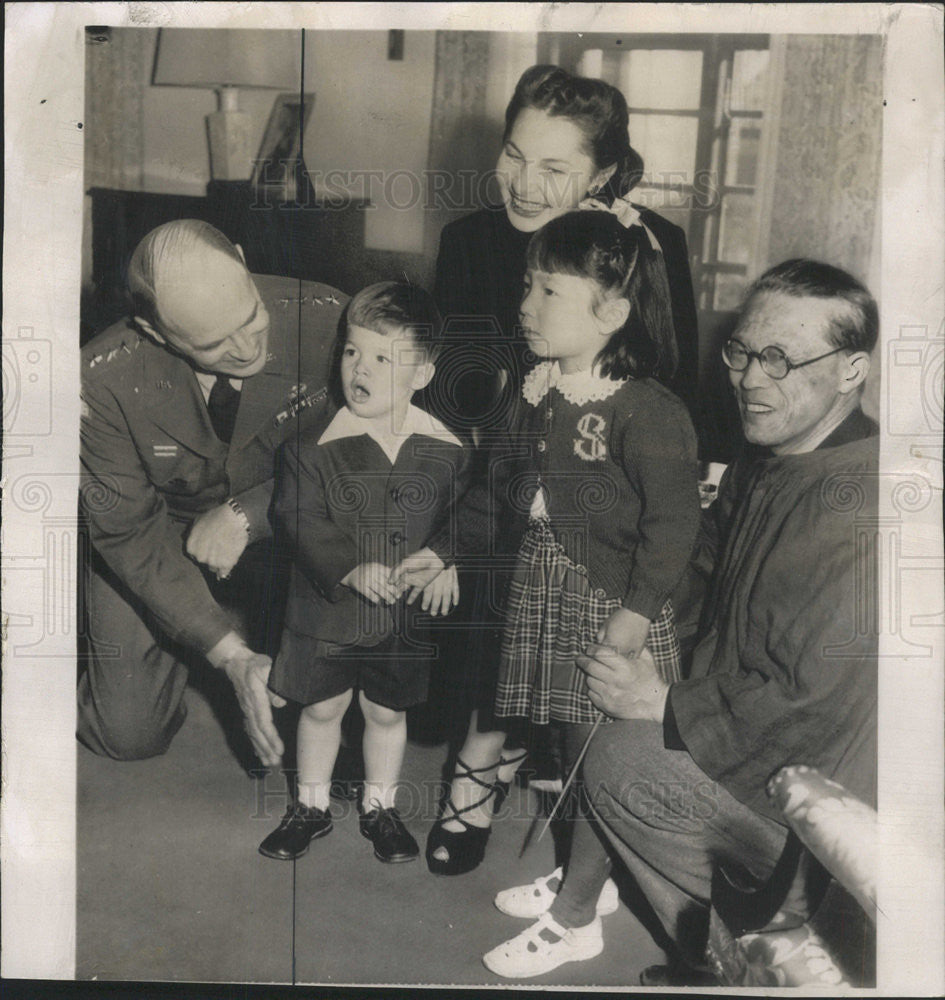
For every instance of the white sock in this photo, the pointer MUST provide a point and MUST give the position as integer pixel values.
(314, 794)
(378, 795)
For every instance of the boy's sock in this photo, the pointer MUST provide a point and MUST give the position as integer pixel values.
(314, 794)
(378, 795)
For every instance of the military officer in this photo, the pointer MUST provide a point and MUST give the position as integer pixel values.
(185, 405)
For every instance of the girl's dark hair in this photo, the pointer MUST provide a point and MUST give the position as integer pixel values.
(599, 111)
(595, 245)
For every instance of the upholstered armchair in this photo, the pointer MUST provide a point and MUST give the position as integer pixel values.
(813, 922)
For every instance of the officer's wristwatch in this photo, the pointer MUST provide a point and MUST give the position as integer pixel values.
(234, 506)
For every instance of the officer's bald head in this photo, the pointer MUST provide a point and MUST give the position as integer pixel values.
(191, 291)
(170, 252)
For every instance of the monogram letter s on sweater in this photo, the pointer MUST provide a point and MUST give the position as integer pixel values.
(591, 445)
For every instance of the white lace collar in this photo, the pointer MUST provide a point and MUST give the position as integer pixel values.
(576, 387)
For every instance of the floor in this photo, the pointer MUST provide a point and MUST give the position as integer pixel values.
(171, 886)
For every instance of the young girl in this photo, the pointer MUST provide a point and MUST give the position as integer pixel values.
(566, 141)
(597, 490)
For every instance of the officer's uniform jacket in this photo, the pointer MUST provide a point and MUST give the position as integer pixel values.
(151, 461)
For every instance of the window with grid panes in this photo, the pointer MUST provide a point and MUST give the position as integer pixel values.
(697, 115)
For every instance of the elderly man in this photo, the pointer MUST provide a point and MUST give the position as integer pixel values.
(184, 408)
(785, 671)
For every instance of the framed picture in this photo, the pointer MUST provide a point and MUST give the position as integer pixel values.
(278, 161)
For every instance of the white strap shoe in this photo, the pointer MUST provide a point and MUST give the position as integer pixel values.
(532, 900)
(543, 947)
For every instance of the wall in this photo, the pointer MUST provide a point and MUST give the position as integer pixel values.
(176, 152)
(371, 127)
(371, 117)
(824, 191)
(476, 73)
(825, 183)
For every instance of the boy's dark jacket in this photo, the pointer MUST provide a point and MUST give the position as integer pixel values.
(341, 502)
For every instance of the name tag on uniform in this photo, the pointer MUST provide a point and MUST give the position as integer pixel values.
(165, 450)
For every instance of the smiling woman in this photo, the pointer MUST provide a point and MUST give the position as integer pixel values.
(543, 169)
(566, 145)
(566, 141)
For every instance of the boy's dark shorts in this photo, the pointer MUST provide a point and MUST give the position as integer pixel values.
(394, 674)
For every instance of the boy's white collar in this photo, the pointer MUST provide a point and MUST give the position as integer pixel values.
(347, 424)
(576, 387)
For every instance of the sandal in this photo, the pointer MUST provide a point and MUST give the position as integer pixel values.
(502, 788)
(467, 847)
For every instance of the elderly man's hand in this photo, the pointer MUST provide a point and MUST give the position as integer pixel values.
(624, 688)
(217, 539)
(249, 673)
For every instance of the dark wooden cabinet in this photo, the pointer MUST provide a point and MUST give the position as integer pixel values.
(304, 239)
(307, 239)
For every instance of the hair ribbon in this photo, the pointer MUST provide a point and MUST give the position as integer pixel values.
(627, 215)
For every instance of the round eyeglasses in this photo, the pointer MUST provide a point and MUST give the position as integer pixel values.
(774, 362)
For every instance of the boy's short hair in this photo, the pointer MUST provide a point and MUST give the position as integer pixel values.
(395, 307)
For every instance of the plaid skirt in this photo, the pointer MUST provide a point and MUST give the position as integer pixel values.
(552, 616)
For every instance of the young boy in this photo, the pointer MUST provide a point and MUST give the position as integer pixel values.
(363, 487)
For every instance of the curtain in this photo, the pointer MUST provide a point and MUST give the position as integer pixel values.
(457, 143)
(459, 94)
(824, 201)
(117, 61)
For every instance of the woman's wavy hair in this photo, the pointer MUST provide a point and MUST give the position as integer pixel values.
(621, 261)
(596, 108)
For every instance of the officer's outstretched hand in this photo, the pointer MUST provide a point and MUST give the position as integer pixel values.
(217, 539)
(249, 673)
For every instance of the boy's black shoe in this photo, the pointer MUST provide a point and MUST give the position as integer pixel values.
(391, 839)
(300, 825)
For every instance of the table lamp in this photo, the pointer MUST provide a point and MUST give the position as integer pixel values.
(224, 60)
